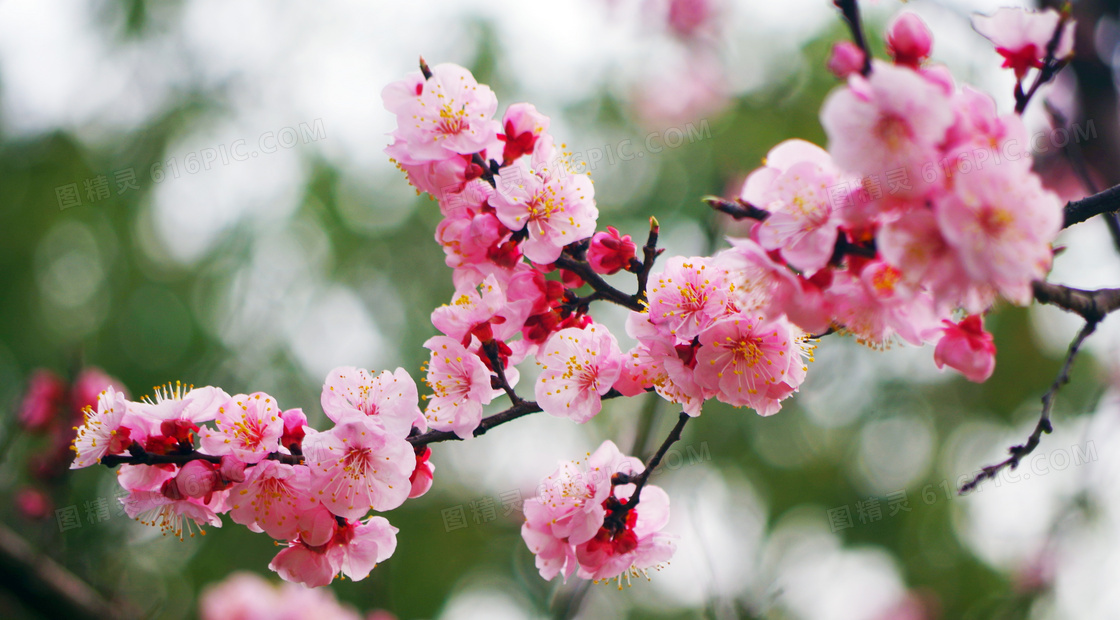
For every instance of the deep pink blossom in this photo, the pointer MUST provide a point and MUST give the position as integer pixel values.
(610, 252)
(389, 398)
(1022, 36)
(461, 386)
(908, 39)
(358, 465)
(578, 366)
(640, 546)
(846, 58)
(522, 126)
(44, 398)
(967, 348)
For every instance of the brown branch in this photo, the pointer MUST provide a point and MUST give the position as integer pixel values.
(46, 587)
(1043, 425)
(1092, 306)
(616, 520)
(650, 252)
(738, 209)
(491, 350)
(137, 455)
(1077, 211)
(522, 409)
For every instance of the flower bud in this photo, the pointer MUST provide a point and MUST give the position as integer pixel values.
(523, 125)
(196, 479)
(909, 40)
(967, 348)
(846, 59)
(610, 252)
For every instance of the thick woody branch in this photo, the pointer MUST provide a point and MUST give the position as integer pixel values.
(1078, 211)
(1092, 306)
(137, 455)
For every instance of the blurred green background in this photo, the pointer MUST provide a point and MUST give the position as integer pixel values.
(264, 273)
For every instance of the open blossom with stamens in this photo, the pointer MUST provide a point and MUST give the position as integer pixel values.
(248, 427)
(354, 550)
(358, 465)
(461, 386)
(476, 310)
(390, 398)
(1022, 36)
(795, 187)
(181, 406)
(893, 119)
(271, 498)
(447, 114)
(556, 209)
(1001, 222)
(523, 126)
(578, 366)
(687, 295)
(104, 431)
(568, 509)
(660, 361)
(640, 546)
(172, 515)
(749, 361)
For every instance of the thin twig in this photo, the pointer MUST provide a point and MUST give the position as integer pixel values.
(650, 252)
(1043, 425)
(598, 284)
(738, 209)
(491, 350)
(1050, 67)
(616, 520)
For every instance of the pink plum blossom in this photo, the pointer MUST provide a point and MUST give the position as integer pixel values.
(556, 207)
(247, 596)
(1001, 222)
(44, 398)
(172, 515)
(660, 361)
(639, 547)
(578, 366)
(893, 119)
(247, 426)
(390, 398)
(271, 498)
(421, 478)
(748, 361)
(1022, 36)
(967, 348)
(461, 386)
(354, 550)
(104, 431)
(445, 115)
(358, 465)
(474, 308)
(846, 58)
(687, 295)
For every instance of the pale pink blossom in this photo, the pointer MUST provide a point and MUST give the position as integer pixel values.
(759, 284)
(358, 465)
(474, 308)
(181, 403)
(461, 386)
(967, 348)
(908, 39)
(446, 115)
(1001, 222)
(390, 398)
(272, 498)
(171, 515)
(555, 206)
(688, 295)
(799, 198)
(247, 426)
(876, 304)
(660, 361)
(470, 236)
(1022, 36)
(354, 550)
(748, 361)
(892, 120)
(89, 384)
(247, 596)
(104, 431)
(578, 366)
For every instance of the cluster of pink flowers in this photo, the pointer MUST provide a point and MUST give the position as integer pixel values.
(918, 217)
(263, 465)
(246, 596)
(922, 207)
(572, 526)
